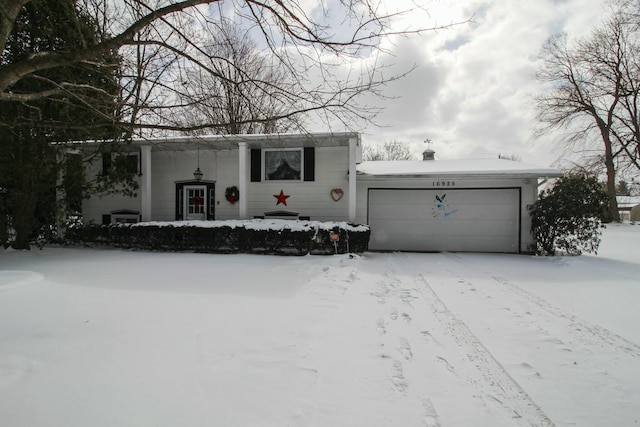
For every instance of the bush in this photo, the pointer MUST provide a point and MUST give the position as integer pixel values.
(275, 237)
(568, 217)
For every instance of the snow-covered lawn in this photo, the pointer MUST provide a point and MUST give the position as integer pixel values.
(103, 337)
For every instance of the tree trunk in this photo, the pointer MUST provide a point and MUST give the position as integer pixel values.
(614, 214)
(4, 232)
(23, 213)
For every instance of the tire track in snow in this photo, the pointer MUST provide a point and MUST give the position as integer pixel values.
(496, 383)
(580, 329)
(584, 331)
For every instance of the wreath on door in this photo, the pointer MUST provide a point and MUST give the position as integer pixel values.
(232, 194)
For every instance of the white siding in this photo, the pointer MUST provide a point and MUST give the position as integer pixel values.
(308, 198)
(96, 206)
(227, 177)
(171, 166)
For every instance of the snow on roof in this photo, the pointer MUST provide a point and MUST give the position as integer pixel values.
(487, 167)
(228, 142)
(628, 201)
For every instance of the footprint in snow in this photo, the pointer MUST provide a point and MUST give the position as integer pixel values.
(430, 414)
(405, 349)
(397, 379)
(353, 276)
(446, 363)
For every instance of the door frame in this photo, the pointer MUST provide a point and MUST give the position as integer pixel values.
(209, 199)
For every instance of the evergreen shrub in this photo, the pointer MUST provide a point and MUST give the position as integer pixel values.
(568, 217)
(273, 237)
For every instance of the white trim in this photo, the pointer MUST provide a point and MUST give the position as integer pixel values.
(353, 152)
(243, 179)
(145, 182)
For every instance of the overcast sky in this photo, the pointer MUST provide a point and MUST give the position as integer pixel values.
(472, 91)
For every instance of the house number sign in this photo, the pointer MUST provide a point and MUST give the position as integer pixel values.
(443, 183)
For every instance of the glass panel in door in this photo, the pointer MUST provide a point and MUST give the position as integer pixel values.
(195, 203)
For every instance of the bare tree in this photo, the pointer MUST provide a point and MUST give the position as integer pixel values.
(390, 150)
(164, 30)
(594, 94)
(245, 92)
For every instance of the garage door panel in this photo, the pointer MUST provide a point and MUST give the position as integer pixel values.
(485, 220)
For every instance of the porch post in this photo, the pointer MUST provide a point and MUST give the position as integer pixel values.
(145, 182)
(353, 150)
(242, 179)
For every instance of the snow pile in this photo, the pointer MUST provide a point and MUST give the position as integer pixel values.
(105, 337)
(261, 224)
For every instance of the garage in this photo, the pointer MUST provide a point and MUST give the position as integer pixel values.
(451, 219)
(465, 205)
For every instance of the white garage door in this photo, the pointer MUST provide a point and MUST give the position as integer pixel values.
(469, 220)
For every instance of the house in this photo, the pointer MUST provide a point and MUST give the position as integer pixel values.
(188, 178)
(429, 205)
(626, 205)
(634, 214)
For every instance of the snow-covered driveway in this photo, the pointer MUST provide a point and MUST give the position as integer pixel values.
(108, 337)
(508, 356)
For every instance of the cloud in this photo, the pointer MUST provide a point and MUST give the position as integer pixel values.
(471, 92)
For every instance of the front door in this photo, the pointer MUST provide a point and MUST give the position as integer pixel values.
(195, 202)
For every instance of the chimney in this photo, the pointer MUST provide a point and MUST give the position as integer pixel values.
(428, 154)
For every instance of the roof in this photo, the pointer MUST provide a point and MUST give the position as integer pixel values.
(478, 167)
(230, 142)
(627, 201)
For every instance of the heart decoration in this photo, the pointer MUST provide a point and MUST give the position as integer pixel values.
(336, 194)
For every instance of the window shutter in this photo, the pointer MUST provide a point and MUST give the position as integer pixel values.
(132, 163)
(309, 163)
(256, 165)
(179, 201)
(211, 205)
(106, 163)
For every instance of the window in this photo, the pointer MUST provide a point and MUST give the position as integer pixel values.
(124, 219)
(282, 165)
(131, 163)
(300, 164)
(128, 163)
(123, 216)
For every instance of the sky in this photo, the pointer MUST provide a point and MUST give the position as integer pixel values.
(472, 91)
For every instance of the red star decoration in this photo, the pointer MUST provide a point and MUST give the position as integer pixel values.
(281, 198)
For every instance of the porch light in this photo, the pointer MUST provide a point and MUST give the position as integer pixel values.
(197, 174)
